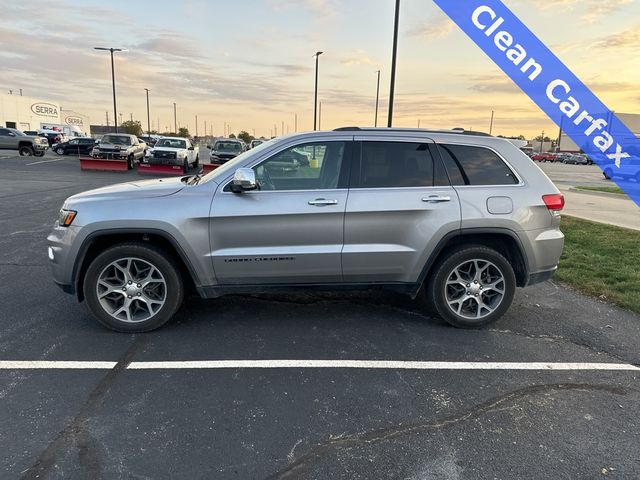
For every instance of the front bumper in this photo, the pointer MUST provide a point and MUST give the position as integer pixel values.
(115, 155)
(60, 250)
(40, 147)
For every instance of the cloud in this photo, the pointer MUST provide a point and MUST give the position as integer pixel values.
(322, 8)
(491, 84)
(433, 29)
(592, 10)
(359, 57)
(627, 39)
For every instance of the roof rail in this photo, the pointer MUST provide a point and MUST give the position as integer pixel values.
(455, 131)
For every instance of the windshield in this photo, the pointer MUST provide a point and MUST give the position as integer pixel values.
(231, 165)
(227, 147)
(116, 140)
(171, 143)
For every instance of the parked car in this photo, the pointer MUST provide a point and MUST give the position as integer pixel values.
(455, 220)
(30, 133)
(224, 150)
(544, 157)
(75, 146)
(576, 159)
(120, 146)
(149, 140)
(174, 151)
(26, 145)
(53, 137)
(629, 169)
(256, 142)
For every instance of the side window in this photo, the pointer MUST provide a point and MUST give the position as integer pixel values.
(395, 164)
(311, 166)
(469, 165)
(4, 132)
(74, 142)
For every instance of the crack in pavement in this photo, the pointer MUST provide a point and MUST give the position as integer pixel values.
(374, 436)
(77, 432)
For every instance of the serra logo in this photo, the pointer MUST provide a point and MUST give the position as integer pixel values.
(45, 109)
(70, 120)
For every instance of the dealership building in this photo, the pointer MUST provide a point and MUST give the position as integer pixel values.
(631, 121)
(28, 113)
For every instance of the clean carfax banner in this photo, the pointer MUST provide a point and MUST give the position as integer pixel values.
(552, 86)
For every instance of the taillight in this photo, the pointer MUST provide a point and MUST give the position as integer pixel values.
(554, 201)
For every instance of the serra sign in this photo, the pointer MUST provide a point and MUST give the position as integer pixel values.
(45, 109)
(71, 120)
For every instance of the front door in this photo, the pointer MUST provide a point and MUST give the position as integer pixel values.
(400, 205)
(290, 230)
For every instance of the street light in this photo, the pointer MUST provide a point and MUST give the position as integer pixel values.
(149, 117)
(315, 96)
(393, 64)
(375, 124)
(113, 79)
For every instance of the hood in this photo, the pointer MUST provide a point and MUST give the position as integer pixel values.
(140, 189)
(167, 149)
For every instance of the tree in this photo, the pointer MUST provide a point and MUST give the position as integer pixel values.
(231, 135)
(245, 137)
(183, 132)
(132, 127)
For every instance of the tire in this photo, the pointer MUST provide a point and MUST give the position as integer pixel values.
(39, 154)
(185, 165)
(165, 288)
(130, 162)
(60, 151)
(25, 151)
(608, 174)
(496, 273)
(196, 163)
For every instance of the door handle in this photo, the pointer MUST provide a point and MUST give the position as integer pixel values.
(322, 202)
(436, 199)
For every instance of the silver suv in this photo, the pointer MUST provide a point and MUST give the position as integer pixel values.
(456, 219)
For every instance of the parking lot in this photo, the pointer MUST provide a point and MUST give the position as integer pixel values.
(550, 391)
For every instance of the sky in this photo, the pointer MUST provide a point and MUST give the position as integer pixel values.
(249, 64)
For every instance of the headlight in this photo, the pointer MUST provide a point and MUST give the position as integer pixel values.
(66, 217)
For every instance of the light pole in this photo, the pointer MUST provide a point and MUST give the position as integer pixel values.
(175, 119)
(315, 95)
(196, 125)
(320, 115)
(393, 64)
(113, 80)
(491, 123)
(149, 117)
(375, 123)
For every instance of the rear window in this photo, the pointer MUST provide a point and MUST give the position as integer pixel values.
(469, 165)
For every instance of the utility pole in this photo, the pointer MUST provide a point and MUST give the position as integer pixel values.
(320, 116)
(282, 129)
(175, 118)
(541, 141)
(275, 130)
(205, 128)
(196, 125)
(148, 116)
(315, 95)
(393, 64)
(107, 112)
(375, 123)
(113, 82)
(131, 117)
(491, 124)
(418, 123)
(295, 125)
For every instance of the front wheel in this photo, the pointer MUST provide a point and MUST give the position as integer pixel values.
(185, 165)
(608, 174)
(196, 163)
(472, 286)
(133, 287)
(130, 162)
(25, 151)
(60, 151)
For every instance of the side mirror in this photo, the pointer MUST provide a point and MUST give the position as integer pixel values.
(243, 179)
(11, 134)
(191, 148)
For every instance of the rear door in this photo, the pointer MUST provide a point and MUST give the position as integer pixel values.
(400, 205)
(6, 140)
(290, 231)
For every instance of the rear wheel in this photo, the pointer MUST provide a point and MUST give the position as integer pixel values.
(133, 288)
(196, 163)
(60, 151)
(472, 286)
(130, 161)
(185, 165)
(608, 174)
(26, 151)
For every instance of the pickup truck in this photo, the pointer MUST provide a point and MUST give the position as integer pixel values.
(26, 145)
(120, 146)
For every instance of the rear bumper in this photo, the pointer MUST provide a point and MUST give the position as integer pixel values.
(540, 277)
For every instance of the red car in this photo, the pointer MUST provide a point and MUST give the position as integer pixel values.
(544, 157)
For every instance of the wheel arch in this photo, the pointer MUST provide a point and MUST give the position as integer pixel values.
(97, 241)
(502, 240)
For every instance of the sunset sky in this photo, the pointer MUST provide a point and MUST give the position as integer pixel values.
(249, 63)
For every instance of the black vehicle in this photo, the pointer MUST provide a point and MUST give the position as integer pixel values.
(75, 146)
(54, 137)
(31, 133)
(224, 150)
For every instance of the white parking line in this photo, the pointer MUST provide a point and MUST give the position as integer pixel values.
(45, 161)
(296, 364)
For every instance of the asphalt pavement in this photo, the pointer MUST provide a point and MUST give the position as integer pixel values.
(439, 420)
